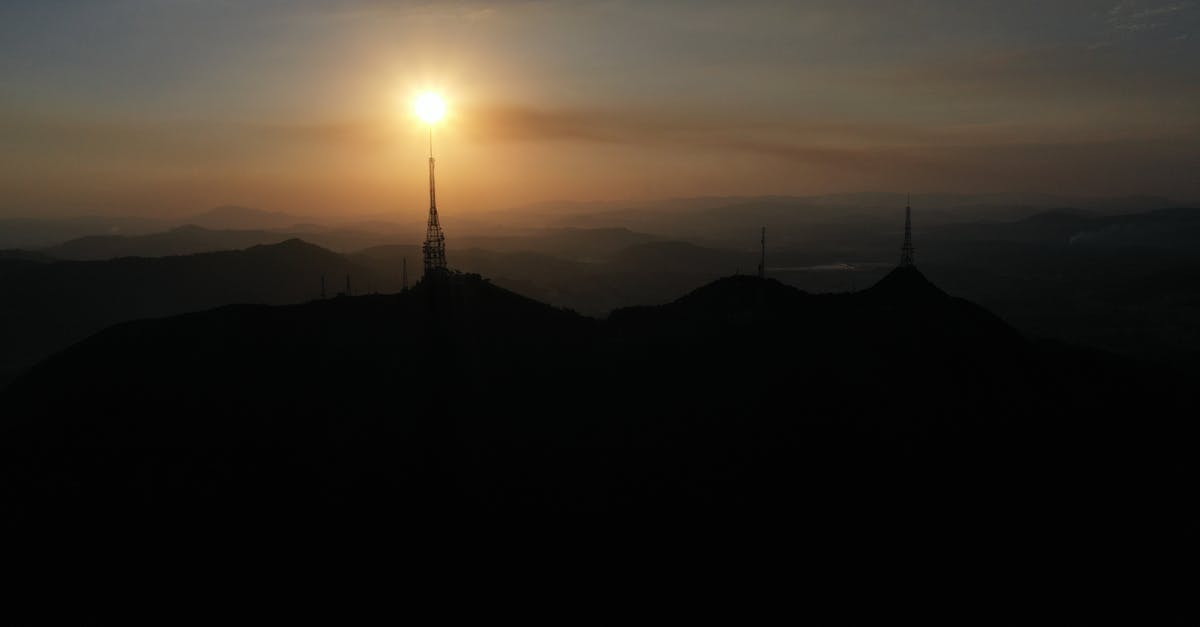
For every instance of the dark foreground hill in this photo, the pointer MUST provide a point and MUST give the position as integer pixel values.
(45, 307)
(744, 397)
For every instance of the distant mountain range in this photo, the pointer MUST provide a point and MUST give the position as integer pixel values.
(48, 303)
(705, 218)
(1124, 282)
(48, 306)
(183, 240)
(1161, 228)
(720, 219)
(39, 233)
(31, 233)
(234, 217)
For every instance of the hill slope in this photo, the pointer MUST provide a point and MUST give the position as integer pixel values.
(48, 306)
(466, 395)
(183, 240)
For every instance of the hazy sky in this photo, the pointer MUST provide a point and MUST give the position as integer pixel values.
(173, 106)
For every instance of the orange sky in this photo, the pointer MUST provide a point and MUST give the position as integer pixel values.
(160, 108)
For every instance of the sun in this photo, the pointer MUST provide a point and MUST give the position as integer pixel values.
(430, 107)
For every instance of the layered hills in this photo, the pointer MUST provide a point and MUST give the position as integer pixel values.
(46, 307)
(745, 391)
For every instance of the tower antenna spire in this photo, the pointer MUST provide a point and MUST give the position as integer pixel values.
(435, 240)
(762, 255)
(906, 251)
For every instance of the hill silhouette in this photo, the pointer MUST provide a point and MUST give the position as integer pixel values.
(744, 393)
(906, 283)
(1125, 284)
(39, 232)
(183, 240)
(16, 254)
(1176, 228)
(576, 244)
(1120, 282)
(48, 306)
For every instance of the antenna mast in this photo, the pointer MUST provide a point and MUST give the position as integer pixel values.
(762, 258)
(435, 240)
(906, 251)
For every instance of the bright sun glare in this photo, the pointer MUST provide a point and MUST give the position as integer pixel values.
(430, 107)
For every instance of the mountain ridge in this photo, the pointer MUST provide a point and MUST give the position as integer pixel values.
(50, 305)
(745, 395)
(468, 306)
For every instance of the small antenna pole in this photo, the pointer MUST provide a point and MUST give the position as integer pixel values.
(762, 259)
(906, 251)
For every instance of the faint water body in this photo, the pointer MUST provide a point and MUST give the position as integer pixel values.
(831, 267)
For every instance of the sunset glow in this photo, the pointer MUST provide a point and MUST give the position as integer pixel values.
(430, 107)
(300, 108)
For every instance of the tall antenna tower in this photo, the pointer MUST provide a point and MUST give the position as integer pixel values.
(762, 256)
(404, 275)
(906, 251)
(435, 239)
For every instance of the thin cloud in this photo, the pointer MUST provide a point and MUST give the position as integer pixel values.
(1138, 17)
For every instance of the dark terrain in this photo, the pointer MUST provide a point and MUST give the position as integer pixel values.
(745, 398)
(1126, 283)
(188, 382)
(48, 306)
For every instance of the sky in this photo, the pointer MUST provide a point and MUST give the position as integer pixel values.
(169, 107)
